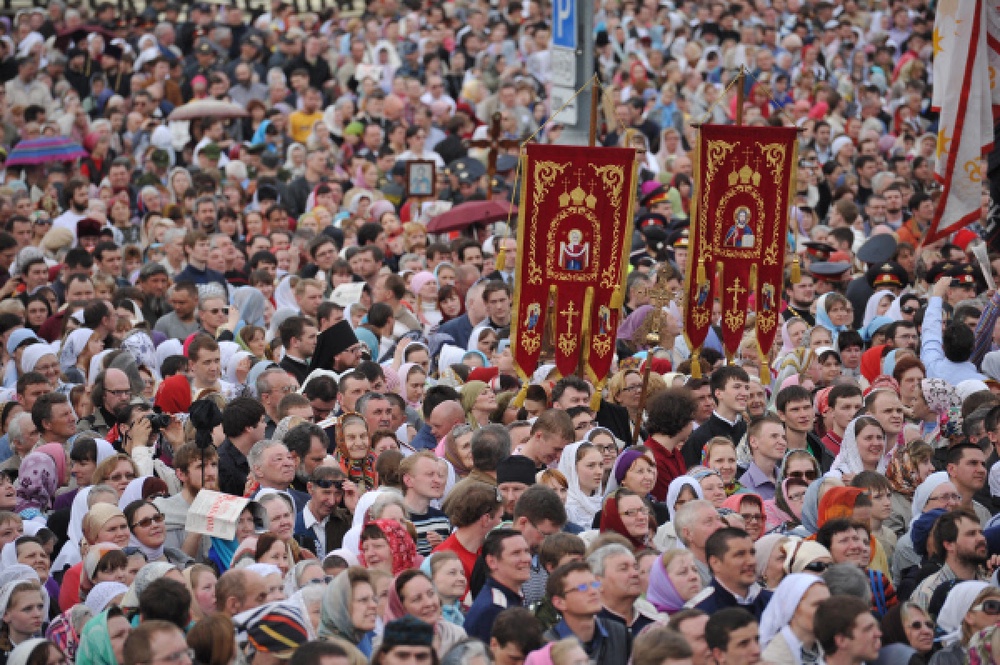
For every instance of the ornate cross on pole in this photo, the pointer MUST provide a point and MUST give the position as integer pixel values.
(659, 296)
(493, 144)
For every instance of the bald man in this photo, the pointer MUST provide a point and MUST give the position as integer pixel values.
(112, 390)
(445, 417)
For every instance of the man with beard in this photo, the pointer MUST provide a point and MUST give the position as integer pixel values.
(112, 390)
(895, 216)
(154, 282)
(800, 297)
(77, 200)
(960, 536)
(196, 469)
(306, 442)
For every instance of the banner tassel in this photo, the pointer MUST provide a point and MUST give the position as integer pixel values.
(796, 276)
(701, 279)
(765, 373)
(501, 256)
(595, 399)
(695, 365)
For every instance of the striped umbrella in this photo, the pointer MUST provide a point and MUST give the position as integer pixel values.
(44, 150)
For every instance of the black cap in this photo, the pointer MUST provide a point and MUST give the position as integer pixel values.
(651, 219)
(656, 237)
(516, 469)
(888, 274)
(938, 270)
(270, 160)
(658, 195)
(877, 249)
(113, 51)
(962, 275)
(204, 47)
(820, 251)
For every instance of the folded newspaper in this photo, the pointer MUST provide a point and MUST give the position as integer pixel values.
(216, 514)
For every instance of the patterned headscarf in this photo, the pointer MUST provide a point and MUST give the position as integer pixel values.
(37, 482)
(902, 474)
(404, 551)
(360, 472)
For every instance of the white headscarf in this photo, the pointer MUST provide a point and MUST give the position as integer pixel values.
(924, 491)
(580, 506)
(848, 460)
(22, 652)
(871, 309)
(133, 492)
(234, 362)
(32, 354)
(69, 555)
(675, 488)
(784, 602)
(226, 352)
(102, 594)
(167, 348)
(95, 365)
(957, 605)
(75, 344)
(284, 295)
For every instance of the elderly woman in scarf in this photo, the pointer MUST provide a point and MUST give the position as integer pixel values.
(635, 470)
(350, 611)
(939, 408)
(935, 492)
(786, 626)
(961, 617)
(402, 551)
(673, 581)
(792, 333)
(862, 449)
(354, 453)
(627, 514)
(749, 506)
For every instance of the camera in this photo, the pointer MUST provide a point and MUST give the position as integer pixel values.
(159, 421)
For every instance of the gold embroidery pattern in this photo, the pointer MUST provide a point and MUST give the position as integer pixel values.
(774, 158)
(718, 151)
(545, 174)
(613, 178)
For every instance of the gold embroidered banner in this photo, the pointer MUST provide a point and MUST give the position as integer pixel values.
(574, 230)
(739, 229)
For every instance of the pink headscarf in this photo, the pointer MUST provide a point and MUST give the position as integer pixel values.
(542, 656)
(420, 280)
(58, 455)
(402, 373)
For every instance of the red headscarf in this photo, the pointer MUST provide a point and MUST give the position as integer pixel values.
(404, 551)
(611, 520)
(871, 362)
(174, 394)
(838, 503)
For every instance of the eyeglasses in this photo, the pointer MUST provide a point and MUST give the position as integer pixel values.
(917, 625)
(119, 477)
(118, 393)
(816, 567)
(283, 389)
(752, 517)
(991, 607)
(631, 389)
(946, 497)
(583, 588)
(804, 475)
(147, 522)
(635, 512)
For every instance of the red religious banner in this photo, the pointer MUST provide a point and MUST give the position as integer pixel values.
(738, 231)
(574, 230)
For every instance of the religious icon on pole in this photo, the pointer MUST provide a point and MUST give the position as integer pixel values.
(574, 227)
(739, 226)
(420, 178)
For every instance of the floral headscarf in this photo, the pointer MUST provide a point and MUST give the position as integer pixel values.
(360, 472)
(945, 401)
(37, 482)
(404, 551)
(903, 474)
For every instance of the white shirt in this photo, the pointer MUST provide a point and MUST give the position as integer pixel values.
(318, 527)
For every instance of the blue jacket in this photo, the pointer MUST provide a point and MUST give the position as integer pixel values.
(493, 599)
(721, 599)
(460, 329)
(424, 440)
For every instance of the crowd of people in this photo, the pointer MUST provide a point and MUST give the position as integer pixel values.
(254, 306)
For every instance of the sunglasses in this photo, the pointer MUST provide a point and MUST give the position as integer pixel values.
(147, 522)
(816, 567)
(118, 477)
(991, 607)
(327, 483)
(803, 475)
(917, 625)
(908, 310)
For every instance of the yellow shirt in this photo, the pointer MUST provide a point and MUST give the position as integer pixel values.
(300, 125)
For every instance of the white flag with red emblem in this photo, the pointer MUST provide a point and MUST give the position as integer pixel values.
(966, 62)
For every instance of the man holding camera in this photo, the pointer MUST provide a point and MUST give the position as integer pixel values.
(112, 390)
(320, 526)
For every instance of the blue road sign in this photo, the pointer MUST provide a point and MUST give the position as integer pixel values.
(564, 23)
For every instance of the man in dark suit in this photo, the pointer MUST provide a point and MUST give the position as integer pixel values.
(734, 578)
(321, 525)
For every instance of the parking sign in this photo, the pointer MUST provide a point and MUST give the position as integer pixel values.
(564, 23)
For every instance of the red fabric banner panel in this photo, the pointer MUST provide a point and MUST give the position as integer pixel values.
(739, 230)
(574, 230)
